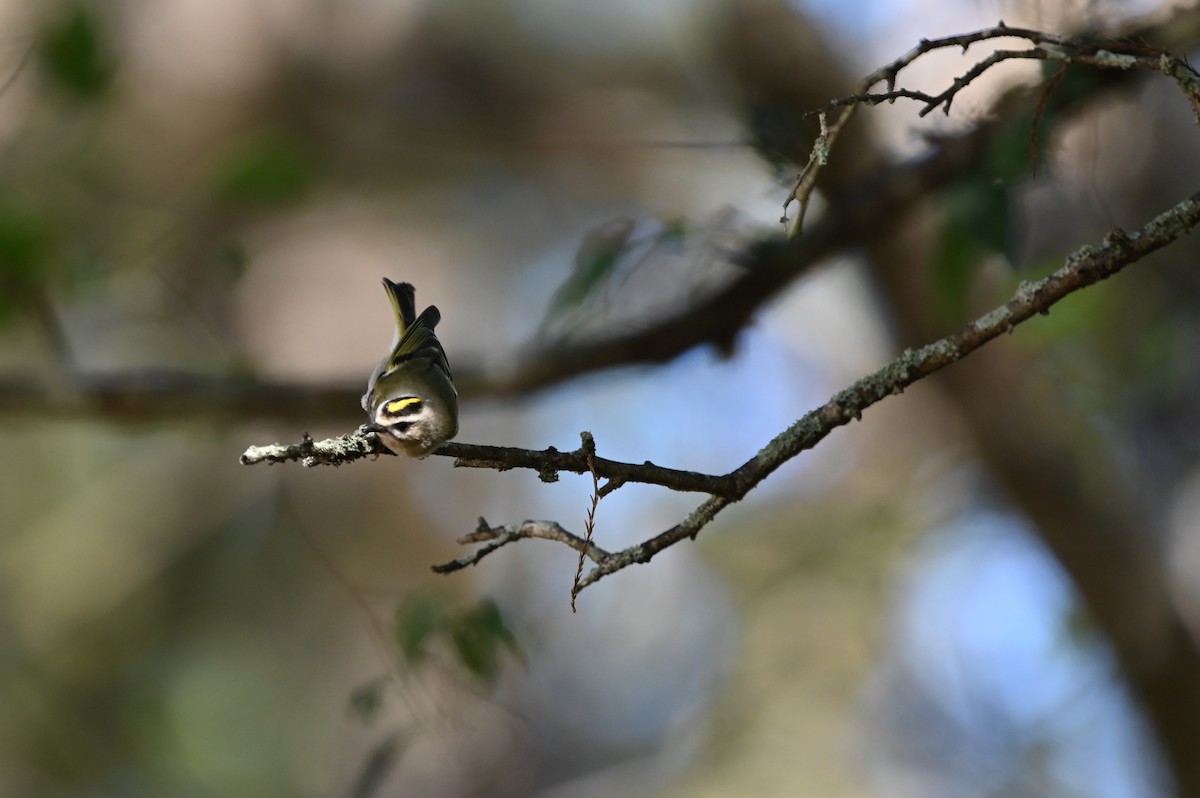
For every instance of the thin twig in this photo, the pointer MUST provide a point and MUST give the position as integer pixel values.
(1039, 114)
(806, 181)
(499, 536)
(589, 446)
(1084, 267)
(1045, 47)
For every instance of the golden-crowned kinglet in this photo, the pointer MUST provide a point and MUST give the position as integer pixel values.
(411, 399)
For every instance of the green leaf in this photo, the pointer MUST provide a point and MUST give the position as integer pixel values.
(476, 652)
(1010, 154)
(976, 224)
(266, 169)
(75, 54)
(487, 617)
(598, 255)
(956, 261)
(418, 620)
(25, 241)
(478, 637)
(605, 253)
(979, 209)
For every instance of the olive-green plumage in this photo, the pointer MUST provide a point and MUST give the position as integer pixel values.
(411, 397)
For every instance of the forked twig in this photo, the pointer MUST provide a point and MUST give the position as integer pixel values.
(1044, 47)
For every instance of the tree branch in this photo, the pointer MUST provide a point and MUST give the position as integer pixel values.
(879, 204)
(1084, 267)
(1123, 55)
(547, 462)
(498, 536)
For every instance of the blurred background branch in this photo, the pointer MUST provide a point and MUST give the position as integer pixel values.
(766, 267)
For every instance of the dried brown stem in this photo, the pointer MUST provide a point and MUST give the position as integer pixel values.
(589, 445)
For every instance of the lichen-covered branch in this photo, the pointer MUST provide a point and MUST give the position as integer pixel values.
(331, 451)
(549, 463)
(498, 536)
(1084, 267)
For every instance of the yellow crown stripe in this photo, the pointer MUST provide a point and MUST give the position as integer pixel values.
(400, 404)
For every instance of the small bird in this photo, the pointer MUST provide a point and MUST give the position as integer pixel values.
(410, 398)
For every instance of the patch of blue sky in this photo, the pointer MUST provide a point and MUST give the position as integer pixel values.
(856, 19)
(986, 624)
(698, 413)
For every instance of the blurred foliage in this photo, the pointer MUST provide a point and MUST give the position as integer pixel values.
(75, 53)
(418, 620)
(481, 636)
(26, 238)
(266, 169)
(595, 260)
(977, 209)
(477, 635)
(977, 219)
(976, 225)
(203, 680)
(607, 254)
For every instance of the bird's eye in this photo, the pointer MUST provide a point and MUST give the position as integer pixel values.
(407, 406)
